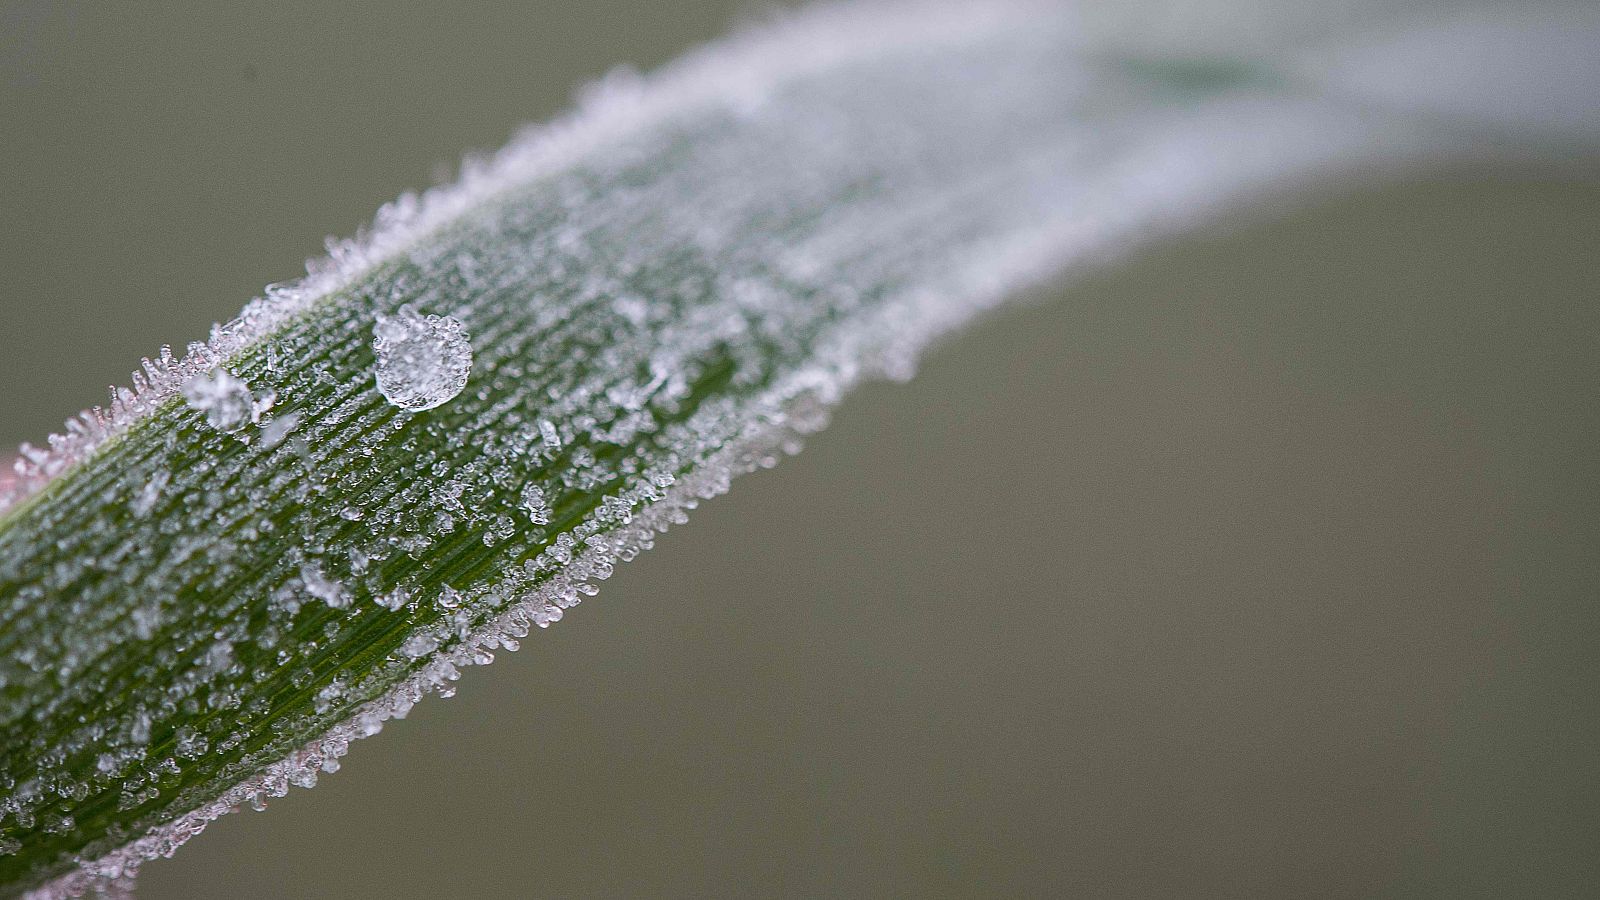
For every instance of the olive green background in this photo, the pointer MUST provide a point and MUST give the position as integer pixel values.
(1265, 563)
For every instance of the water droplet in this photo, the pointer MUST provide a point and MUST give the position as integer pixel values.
(423, 361)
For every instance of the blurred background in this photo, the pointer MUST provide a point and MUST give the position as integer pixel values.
(1264, 563)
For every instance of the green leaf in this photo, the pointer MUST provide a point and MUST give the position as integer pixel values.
(208, 589)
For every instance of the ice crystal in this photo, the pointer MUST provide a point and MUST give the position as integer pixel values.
(224, 400)
(419, 645)
(273, 433)
(548, 434)
(149, 493)
(423, 361)
(323, 588)
(395, 599)
(533, 503)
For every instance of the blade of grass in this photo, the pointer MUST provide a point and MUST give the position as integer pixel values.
(663, 291)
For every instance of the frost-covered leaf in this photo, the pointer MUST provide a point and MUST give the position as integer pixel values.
(452, 429)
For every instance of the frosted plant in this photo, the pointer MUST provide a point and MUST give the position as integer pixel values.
(201, 606)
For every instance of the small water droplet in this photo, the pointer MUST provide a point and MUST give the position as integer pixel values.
(547, 615)
(423, 361)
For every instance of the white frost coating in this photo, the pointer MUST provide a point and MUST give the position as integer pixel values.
(544, 606)
(422, 361)
(394, 600)
(827, 36)
(1169, 167)
(753, 63)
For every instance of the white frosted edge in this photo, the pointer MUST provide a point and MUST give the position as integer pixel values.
(752, 61)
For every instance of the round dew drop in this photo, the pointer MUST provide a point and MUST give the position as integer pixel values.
(423, 361)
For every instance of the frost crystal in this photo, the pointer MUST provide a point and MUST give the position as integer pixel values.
(150, 493)
(323, 588)
(225, 400)
(418, 645)
(547, 433)
(273, 433)
(423, 361)
(395, 599)
(534, 505)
